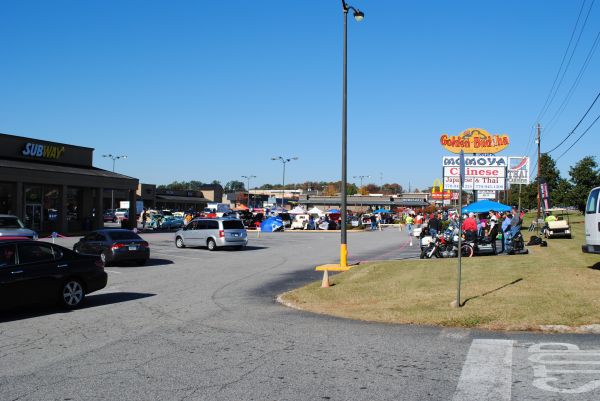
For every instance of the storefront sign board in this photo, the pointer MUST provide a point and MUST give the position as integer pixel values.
(475, 140)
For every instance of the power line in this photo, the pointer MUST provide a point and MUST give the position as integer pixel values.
(580, 136)
(571, 91)
(576, 126)
(548, 100)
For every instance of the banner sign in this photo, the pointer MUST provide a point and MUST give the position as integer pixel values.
(476, 183)
(518, 170)
(486, 194)
(545, 194)
(475, 140)
(475, 172)
(482, 161)
(441, 195)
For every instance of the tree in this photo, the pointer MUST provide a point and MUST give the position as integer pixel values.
(330, 190)
(549, 172)
(235, 186)
(584, 176)
(351, 189)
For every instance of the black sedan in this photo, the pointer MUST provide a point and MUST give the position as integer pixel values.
(33, 272)
(114, 245)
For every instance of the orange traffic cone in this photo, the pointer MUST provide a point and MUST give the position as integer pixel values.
(325, 282)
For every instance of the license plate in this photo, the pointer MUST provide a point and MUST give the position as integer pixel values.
(236, 235)
(133, 248)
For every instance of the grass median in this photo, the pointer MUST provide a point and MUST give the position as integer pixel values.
(554, 285)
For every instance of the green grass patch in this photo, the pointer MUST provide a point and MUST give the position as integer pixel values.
(557, 285)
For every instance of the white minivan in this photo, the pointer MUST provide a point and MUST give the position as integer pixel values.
(592, 223)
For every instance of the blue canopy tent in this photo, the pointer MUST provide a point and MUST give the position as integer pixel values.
(334, 211)
(271, 224)
(485, 206)
(382, 211)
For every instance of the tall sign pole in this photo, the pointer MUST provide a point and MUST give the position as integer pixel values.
(460, 191)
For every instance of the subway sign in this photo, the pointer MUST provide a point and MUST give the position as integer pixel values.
(38, 150)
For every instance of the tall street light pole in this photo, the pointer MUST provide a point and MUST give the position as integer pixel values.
(284, 161)
(248, 177)
(112, 191)
(358, 16)
(361, 184)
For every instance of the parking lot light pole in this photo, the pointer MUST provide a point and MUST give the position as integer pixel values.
(248, 177)
(361, 184)
(112, 191)
(358, 16)
(284, 161)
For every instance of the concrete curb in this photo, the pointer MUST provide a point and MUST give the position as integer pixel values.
(549, 328)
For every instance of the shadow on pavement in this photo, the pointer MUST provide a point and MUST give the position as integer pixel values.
(150, 262)
(90, 301)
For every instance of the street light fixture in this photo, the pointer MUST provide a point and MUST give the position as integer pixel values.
(112, 191)
(361, 184)
(358, 16)
(248, 177)
(284, 161)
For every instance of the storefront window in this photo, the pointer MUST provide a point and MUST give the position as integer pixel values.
(74, 205)
(6, 198)
(51, 202)
(33, 206)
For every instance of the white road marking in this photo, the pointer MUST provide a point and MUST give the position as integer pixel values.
(112, 271)
(570, 357)
(487, 372)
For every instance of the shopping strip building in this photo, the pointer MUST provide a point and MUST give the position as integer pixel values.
(54, 187)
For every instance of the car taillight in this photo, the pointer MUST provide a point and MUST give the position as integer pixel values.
(144, 244)
(117, 246)
(221, 233)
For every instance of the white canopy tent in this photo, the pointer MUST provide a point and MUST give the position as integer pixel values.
(298, 210)
(317, 211)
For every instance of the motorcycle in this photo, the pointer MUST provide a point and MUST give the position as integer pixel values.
(446, 246)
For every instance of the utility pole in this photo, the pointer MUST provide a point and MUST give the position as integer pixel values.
(539, 173)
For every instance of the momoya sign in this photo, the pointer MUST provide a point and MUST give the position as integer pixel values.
(475, 140)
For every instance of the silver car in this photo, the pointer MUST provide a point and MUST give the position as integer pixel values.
(11, 226)
(212, 233)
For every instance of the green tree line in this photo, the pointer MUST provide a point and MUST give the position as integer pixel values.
(583, 176)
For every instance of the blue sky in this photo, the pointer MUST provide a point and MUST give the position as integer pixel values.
(212, 90)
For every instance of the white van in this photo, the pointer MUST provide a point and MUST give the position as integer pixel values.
(592, 223)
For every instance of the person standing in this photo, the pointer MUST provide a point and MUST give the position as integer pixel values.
(493, 232)
(373, 219)
(143, 217)
(506, 231)
(435, 225)
(409, 226)
(469, 227)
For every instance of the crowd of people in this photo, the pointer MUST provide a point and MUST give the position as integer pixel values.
(476, 227)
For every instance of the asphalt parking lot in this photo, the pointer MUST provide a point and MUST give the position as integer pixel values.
(200, 325)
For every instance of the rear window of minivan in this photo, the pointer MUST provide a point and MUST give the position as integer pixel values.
(592, 204)
(233, 225)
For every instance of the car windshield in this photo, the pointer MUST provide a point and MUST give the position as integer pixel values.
(121, 235)
(10, 222)
(233, 225)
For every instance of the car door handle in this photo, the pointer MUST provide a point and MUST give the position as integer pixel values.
(63, 266)
(16, 272)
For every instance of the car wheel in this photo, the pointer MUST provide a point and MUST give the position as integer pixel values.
(71, 294)
(104, 259)
(179, 242)
(211, 244)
